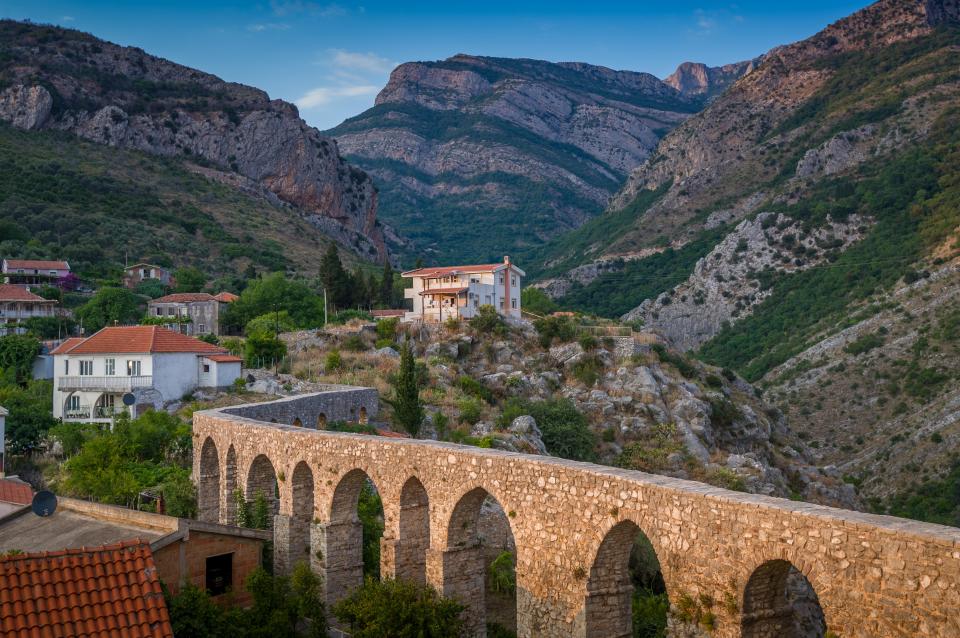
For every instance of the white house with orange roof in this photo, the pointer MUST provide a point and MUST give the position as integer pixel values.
(34, 272)
(17, 304)
(152, 364)
(441, 293)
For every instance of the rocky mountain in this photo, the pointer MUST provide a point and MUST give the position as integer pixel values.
(58, 79)
(477, 156)
(698, 79)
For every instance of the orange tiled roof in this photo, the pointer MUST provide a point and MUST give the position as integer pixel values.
(185, 297)
(37, 264)
(226, 297)
(104, 592)
(15, 492)
(388, 313)
(12, 292)
(142, 339)
(442, 271)
(67, 345)
(443, 291)
(224, 358)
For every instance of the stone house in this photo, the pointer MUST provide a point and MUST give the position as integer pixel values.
(193, 313)
(34, 272)
(147, 366)
(441, 293)
(137, 273)
(17, 304)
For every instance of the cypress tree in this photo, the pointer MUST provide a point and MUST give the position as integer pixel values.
(335, 278)
(407, 409)
(386, 285)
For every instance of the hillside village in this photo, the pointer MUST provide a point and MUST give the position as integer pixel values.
(699, 377)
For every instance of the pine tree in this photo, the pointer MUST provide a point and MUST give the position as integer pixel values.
(386, 285)
(407, 409)
(335, 278)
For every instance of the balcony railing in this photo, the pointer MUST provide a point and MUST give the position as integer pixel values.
(116, 384)
(83, 412)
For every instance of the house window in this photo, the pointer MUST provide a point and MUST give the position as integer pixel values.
(219, 574)
(201, 328)
(501, 280)
(513, 282)
(66, 367)
(73, 402)
(513, 303)
(133, 368)
(110, 367)
(86, 368)
(206, 367)
(159, 311)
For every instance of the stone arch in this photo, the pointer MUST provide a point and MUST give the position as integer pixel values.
(363, 416)
(321, 421)
(343, 547)
(262, 477)
(228, 508)
(478, 532)
(779, 601)
(613, 579)
(297, 423)
(414, 534)
(301, 515)
(208, 488)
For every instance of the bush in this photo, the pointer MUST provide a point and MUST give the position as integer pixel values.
(387, 328)
(566, 431)
(683, 366)
(536, 301)
(555, 329)
(588, 370)
(333, 361)
(588, 342)
(263, 349)
(650, 614)
(271, 322)
(354, 343)
(399, 609)
(30, 407)
(471, 386)
(864, 343)
(385, 343)
(488, 321)
(470, 409)
(107, 306)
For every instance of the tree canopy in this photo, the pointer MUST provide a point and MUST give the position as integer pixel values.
(107, 306)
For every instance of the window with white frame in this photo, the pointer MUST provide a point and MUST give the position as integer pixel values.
(513, 303)
(513, 282)
(133, 368)
(201, 328)
(110, 367)
(73, 402)
(86, 368)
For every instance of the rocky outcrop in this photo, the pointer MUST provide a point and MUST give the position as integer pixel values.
(696, 78)
(728, 282)
(123, 97)
(449, 138)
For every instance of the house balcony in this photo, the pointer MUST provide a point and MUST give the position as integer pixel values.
(75, 414)
(103, 384)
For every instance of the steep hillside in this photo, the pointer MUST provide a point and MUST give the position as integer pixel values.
(475, 157)
(58, 79)
(835, 108)
(94, 205)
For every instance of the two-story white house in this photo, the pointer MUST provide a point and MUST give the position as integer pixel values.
(458, 292)
(149, 365)
(17, 304)
(34, 272)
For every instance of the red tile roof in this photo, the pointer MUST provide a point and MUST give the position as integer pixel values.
(142, 339)
(36, 264)
(443, 291)
(104, 592)
(388, 313)
(15, 492)
(226, 297)
(451, 270)
(185, 297)
(224, 358)
(67, 345)
(11, 292)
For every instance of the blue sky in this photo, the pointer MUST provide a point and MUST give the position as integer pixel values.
(331, 58)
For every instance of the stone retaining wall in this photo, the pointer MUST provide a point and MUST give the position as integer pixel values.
(874, 576)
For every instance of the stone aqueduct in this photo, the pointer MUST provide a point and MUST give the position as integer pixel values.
(573, 525)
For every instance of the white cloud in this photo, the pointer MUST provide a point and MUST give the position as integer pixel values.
(353, 61)
(268, 26)
(323, 95)
(68, 18)
(705, 23)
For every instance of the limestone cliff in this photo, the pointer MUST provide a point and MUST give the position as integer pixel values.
(477, 156)
(52, 78)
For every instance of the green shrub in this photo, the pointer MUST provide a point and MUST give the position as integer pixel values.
(271, 323)
(471, 386)
(385, 343)
(864, 343)
(263, 349)
(470, 409)
(588, 342)
(354, 343)
(552, 330)
(650, 614)
(334, 361)
(503, 576)
(397, 609)
(588, 370)
(488, 321)
(387, 328)
(566, 431)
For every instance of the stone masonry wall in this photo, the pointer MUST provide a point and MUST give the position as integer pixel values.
(874, 576)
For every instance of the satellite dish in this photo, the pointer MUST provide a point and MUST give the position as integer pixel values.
(44, 503)
(129, 399)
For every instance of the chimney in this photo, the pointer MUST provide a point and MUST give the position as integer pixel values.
(506, 259)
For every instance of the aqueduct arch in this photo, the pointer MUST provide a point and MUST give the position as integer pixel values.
(874, 576)
(208, 489)
(262, 480)
(779, 602)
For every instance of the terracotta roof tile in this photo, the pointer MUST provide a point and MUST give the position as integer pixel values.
(184, 297)
(440, 271)
(15, 492)
(142, 339)
(109, 591)
(36, 264)
(388, 313)
(12, 292)
(67, 345)
(224, 358)
(443, 291)
(226, 297)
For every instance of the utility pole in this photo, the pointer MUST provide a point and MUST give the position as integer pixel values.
(324, 307)
(276, 336)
